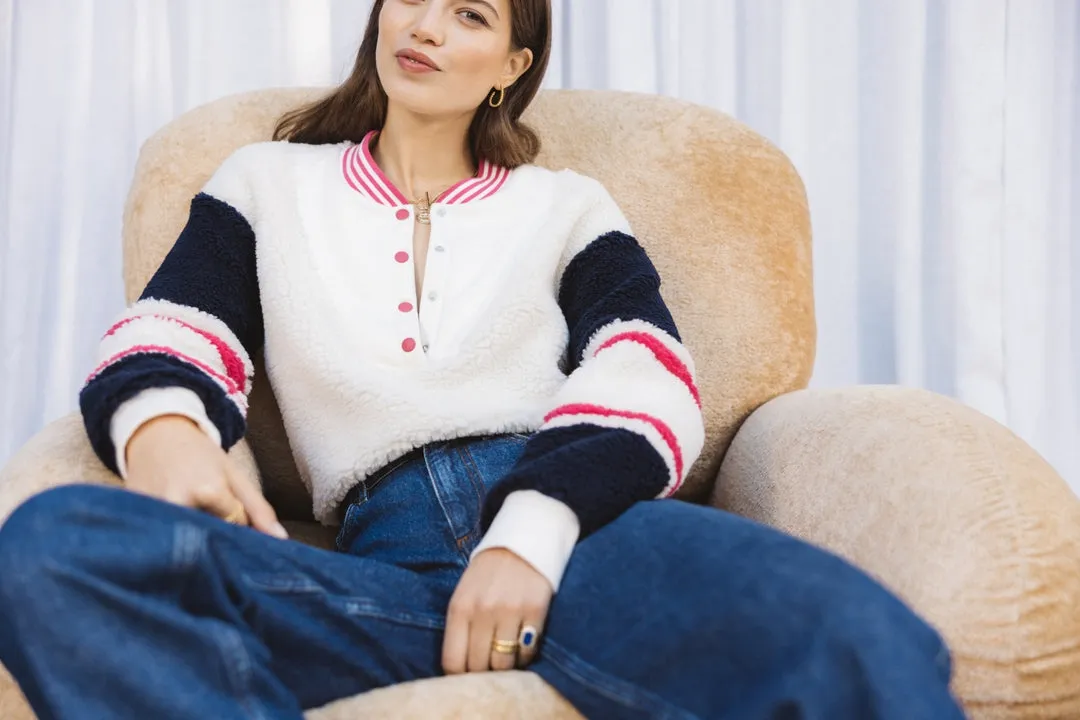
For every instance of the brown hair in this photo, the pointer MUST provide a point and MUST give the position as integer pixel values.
(359, 104)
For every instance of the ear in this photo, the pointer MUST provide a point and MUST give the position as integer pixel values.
(517, 65)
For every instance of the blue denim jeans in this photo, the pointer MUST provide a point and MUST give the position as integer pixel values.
(118, 605)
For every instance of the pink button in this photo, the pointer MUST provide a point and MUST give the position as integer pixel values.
(405, 307)
(402, 257)
(408, 345)
(402, 214)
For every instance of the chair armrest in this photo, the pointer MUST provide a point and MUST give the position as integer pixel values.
(947, 508)
(511, 694)
(58, 455)
(61, 455)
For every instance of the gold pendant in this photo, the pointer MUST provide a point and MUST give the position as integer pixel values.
(423, 210)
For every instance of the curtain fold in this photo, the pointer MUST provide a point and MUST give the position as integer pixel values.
(939, 142)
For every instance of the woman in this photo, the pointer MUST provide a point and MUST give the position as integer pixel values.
(481, 383)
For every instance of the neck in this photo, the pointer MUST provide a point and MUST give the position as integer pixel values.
(421, 155)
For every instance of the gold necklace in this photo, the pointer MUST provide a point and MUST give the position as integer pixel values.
(423, 209)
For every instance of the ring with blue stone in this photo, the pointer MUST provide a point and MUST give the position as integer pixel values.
(529, 636)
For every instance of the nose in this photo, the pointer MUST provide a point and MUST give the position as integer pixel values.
(429, 26)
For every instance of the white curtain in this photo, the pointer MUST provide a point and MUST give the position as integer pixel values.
(939, 141)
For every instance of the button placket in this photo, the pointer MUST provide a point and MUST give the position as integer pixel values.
(434, 281)
(406, 308)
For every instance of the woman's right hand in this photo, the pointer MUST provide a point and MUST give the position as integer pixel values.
(172, 459)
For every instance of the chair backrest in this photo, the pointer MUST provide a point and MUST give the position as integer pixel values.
(721, 211)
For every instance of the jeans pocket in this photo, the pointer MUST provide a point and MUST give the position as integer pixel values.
(346, 529)
(351, 519)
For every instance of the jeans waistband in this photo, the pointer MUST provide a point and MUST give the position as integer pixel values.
(367, 485)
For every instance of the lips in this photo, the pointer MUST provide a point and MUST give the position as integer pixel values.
(417, 57)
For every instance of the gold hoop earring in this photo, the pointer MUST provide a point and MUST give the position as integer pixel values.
(502, 96)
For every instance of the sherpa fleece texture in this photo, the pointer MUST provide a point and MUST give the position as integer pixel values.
(541, 313)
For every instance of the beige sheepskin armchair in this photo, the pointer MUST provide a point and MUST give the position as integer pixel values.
(947, 508)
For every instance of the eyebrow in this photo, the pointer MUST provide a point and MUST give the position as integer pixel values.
(485, 2)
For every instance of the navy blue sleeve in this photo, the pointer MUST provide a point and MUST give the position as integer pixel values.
(195, 326)
(611, 440)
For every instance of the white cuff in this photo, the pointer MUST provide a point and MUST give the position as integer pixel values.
(150, 404)
(539, 529)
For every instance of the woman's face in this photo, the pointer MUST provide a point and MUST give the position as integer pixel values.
(443, 57)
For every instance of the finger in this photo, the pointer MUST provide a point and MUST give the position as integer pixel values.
(214, 497)
(260, 512)
(531, 630)
(507, 630)
(455, 653)
(481, 633)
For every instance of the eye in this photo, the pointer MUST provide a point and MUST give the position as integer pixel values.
(473, 16)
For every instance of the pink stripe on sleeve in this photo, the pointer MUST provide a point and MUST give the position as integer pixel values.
(230, 359)
(664, 356)
(230, 386)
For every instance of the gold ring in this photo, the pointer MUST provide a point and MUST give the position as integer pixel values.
(506, 647)
(235, 516)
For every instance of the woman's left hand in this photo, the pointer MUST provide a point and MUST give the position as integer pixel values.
(497, 595)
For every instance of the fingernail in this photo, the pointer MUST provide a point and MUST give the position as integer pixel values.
(278, 530)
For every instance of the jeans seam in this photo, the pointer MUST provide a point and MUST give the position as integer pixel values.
(340, 537)
(433, 482)
(476, 479)
(401, 617)
(238, 669)
(385, 472)
(284, 585)
(189, 543)
(609, 686)
(189, 547)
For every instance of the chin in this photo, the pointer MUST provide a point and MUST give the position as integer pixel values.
(430, 102)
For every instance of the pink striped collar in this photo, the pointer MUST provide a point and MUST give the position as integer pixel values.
(363, 175)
